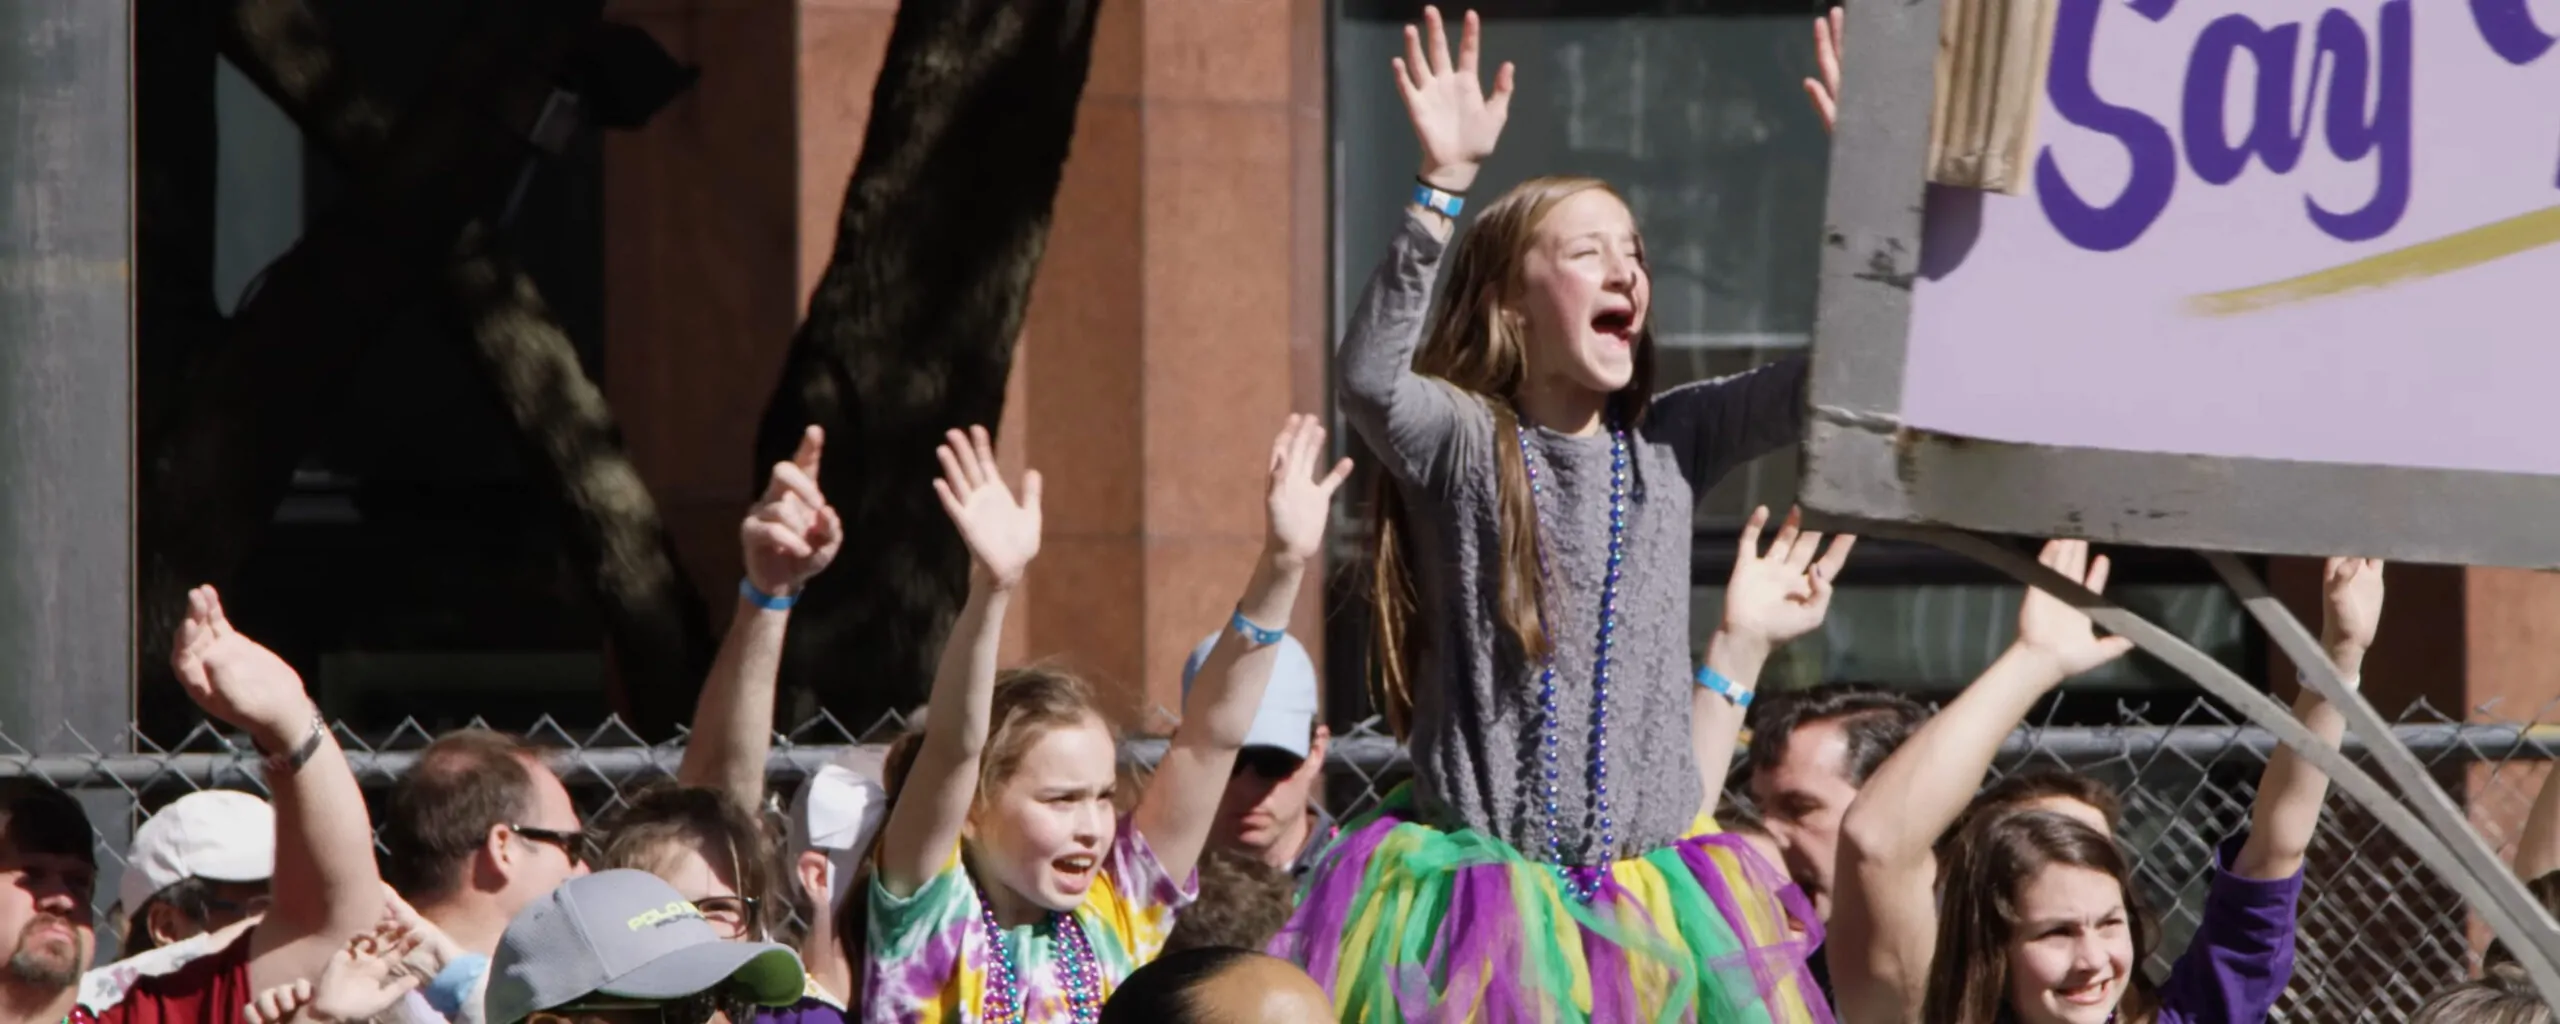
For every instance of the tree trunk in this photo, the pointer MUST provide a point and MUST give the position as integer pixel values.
(211, 480)
(620, 547)
(911, 330)
(660, 631)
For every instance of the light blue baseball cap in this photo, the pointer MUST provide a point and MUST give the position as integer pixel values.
(1287, 718)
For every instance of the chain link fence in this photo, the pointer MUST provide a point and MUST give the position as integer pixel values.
(2379, 933)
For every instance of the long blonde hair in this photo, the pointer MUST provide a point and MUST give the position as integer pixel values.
(1478, 345)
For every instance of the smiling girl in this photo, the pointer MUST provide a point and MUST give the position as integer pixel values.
(1552, 857)
(2032, 917)
(1006, 888)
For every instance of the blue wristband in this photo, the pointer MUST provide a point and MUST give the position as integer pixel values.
(747, 589)
(453, 985)
(1713, 680)
(1261, 637)
(1433, 199)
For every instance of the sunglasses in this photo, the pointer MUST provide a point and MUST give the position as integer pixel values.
(1271, 763)
(697, 1008)
(212, 908)
(574, 844)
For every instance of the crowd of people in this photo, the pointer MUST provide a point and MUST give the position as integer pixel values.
(1563, 851)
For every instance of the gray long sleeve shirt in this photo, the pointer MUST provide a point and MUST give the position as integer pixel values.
(1475, 691)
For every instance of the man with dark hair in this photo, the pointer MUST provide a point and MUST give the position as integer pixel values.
(478, 829)
(1810, 751)
(48, 869)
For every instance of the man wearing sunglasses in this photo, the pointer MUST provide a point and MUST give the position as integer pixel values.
(1269, 812)
(621, 947)
(476, 831)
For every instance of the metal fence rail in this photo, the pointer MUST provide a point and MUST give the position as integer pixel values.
(2377, 933)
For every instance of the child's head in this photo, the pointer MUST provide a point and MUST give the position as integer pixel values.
(1548, 293)
(1044, 819)
(1243, 903)
(1743, 821)
(1548, 289)
(2039, 926)
(712, 851)
(2503, 995)
(2067, 793)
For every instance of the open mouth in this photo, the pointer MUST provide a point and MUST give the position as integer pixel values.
(1077, 867)
(1618, 323)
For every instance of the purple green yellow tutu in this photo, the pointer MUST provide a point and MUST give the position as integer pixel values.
(1404, 922)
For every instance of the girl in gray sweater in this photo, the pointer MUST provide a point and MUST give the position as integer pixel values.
(1554, 857)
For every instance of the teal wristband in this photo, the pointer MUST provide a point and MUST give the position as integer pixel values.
(1261, 637)
(1713, 680)
(747, 589)
(1434, 199)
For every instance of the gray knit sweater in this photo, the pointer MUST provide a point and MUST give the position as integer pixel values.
(1475, 693)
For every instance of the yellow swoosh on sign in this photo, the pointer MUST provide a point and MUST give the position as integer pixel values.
(2491, 241)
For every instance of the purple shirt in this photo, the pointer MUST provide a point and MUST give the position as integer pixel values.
(2242, 954)
(809, 1010)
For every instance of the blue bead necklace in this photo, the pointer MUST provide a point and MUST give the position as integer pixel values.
(1082, 971)
(1583, 882)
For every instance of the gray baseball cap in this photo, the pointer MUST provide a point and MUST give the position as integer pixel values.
(628, 935)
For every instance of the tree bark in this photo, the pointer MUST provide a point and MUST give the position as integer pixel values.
(621, 549)
(211, 480)
(911, 329)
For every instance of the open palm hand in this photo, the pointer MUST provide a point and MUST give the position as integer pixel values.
(1300, 500)
(1456, 121)
(2059, 631)
(1786, 592)
(1003, 533)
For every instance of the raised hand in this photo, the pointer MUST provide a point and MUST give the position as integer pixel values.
(235, 679)
(1825, 90)
(2351, 610)
(364, 978)
(1783, 594)
(1003, 534)
(1455, 121)
(2059, 632)
(792, 534)
(1299, 500)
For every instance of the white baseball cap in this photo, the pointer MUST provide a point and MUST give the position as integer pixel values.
(218, 835)
(1287, 718)
(838, 811)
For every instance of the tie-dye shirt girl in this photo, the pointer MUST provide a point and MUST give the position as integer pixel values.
(927, 956)
(1021, 770)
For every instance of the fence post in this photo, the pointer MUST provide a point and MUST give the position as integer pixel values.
(66, 385)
